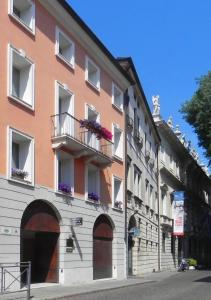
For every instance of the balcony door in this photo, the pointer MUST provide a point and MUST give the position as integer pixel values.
(65, 121)
(92, 140)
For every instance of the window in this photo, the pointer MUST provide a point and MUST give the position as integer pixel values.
(137, 182)
(147, 192)
(118, 141)
(24, 12)
(21, 157)
(117, 193)
(92, 183)
(92, 73)
(151, 196)
(163, 154)
(21, 77)
(92, 115)
(65, 48)
(64, 110)
(163, 242)
(156, 202)
(164, 203)
(117, 97)
(65, 173)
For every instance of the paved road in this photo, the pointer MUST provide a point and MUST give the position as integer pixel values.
(191, 285)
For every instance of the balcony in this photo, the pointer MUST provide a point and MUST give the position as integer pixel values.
(68, 133)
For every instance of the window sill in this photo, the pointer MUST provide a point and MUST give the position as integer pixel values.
(92, 85)
(19, 21)
(64, 194)
(119, 109)
(117, 209)
(63, 59)
(21, 181)
(20, 101)
(93, 202)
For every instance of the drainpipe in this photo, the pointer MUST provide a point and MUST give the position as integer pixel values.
(126, 103)
(158, 207)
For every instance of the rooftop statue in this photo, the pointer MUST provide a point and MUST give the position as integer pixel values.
(170, 122)
(177, 131)
(156, 105)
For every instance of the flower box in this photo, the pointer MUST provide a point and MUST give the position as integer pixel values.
(64, 188)
(97, 129)
(93, 197)
(118, 204)
(20, 174)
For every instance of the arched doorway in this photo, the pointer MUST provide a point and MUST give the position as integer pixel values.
(102, 248)
(132, 224)
(39, 241)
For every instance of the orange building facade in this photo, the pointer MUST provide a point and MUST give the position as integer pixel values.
(62, 146)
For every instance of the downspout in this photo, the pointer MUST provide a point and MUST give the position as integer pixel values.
(126, 102)
(158, 206)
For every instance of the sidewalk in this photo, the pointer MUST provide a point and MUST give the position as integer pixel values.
(62, 292)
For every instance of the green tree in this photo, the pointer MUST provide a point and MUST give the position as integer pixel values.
(197, 112)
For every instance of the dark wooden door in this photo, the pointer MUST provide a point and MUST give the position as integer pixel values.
(46, 257)
(102, 258)
(39, 241)
(102, 248)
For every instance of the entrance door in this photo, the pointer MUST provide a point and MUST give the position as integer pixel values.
(102, 248)
(39, 242)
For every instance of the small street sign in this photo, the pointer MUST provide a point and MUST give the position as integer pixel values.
(76, 221)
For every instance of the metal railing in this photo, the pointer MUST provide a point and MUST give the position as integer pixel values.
(65, 124)
(15, 277)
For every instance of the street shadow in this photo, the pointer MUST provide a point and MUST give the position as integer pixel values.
(204, 279)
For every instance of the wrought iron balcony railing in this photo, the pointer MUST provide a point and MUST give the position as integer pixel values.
(67, 131)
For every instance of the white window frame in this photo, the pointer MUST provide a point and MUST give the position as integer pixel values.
(70, 62)
(87, 62)
(11, 13)
(116, 127)
(10, 131)
(97, 183)
(115, 87)
(69, 111)
(56, 184)
(22, 54)
(121, 192)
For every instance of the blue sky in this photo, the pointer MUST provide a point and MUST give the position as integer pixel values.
(169, 42)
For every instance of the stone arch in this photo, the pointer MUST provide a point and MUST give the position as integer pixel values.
(40, 230)
(102, 247)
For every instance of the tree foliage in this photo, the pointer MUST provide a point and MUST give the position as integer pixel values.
(197, 112)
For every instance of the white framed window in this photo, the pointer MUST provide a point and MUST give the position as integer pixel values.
(65, 48)
(117, 193)
(137, 182)
(164, 203)
(118, 141)
(20, 77)
(20, 157)
(117, 97)
(64, 110)
(92, 115)
(92, 183)
(23, 11)
(92, 73)
(151, 196)
(146, 192)
(64, 173)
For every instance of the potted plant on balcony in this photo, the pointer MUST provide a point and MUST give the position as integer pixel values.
(19, 173)
(64, 188)
(118, 204)
(93, 196)
(96, 128)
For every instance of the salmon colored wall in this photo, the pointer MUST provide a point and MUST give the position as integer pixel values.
(48, 68)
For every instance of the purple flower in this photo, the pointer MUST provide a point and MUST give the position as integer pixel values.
(64, 188)
(93, 196)
(19, 173)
